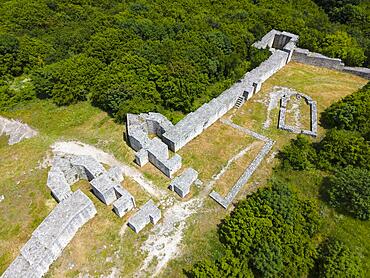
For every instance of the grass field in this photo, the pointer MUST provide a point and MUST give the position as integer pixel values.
(104, 245)
(323, 85)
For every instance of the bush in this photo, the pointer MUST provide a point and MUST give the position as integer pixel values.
(337, 260)
(270, 233)
(350, 113)
(341, 45)
(349, 191)
(298, 155)
(342, 148)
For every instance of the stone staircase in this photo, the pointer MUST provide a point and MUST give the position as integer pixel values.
(240, 101)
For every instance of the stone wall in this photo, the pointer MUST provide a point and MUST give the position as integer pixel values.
(147, 213)
(304, 56)
(196, 122)
(362, 72)
(138, 129)
(181, 184)
(16, 130)
(51, 237)
(313, 115)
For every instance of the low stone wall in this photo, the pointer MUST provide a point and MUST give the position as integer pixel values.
(304, 56)
(51, 237)
(362, 72)
(227, 200)
(313, 115)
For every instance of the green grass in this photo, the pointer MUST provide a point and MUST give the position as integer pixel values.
(353, 232)
(324, 86)
(23, 183)
(28, 200)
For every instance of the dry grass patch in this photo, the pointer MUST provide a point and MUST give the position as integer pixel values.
(236, 169)
(211, 150)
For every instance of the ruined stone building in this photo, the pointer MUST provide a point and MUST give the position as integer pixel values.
(51, 237)
(181, 184)
(148, 213)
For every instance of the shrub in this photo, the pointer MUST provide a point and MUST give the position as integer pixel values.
(298, 155)
(350, 113)
(337, 260)
(349, 191)
(342, 148)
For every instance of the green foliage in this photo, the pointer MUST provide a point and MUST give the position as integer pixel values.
(227, 266)
(337, 260)
(69, 81)
(18, 91)
(299, 154)
(349, 191)
(351, 113)
(341, 45)
(341, 148)
(354, 19)
(270, 232)
(192, 50)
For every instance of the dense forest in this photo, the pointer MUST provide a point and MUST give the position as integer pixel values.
(136, 56)
(276, 233)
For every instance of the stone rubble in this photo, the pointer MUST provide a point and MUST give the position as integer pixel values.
(16, 130)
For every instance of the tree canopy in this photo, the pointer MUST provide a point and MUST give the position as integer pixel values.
(163, 56)
(349, 191)
(268, 235)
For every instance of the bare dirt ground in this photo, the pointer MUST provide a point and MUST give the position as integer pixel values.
(164, 242)
(79, 148)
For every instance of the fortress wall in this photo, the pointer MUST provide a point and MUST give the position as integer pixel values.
(304, 56)
(51, 237)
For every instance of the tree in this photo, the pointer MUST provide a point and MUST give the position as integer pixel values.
(337, 260)
(68, 81)
(226, 266)
(341, 45)
(269, 233)
(342, 148)
(299, 154)
(350, 113)
(349, 191)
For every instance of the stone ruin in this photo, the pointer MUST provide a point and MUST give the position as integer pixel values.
(106, 185)
(282, 45)
(52, 236)
(138, 130)
(313, 115)
(73, 210)
(174, 137)
(252, 167)
(305, 56)
(16, 130)
(181, 184)
(147, 213)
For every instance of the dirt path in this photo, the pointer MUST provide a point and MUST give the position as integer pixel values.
(164, 241)
(79, 148)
